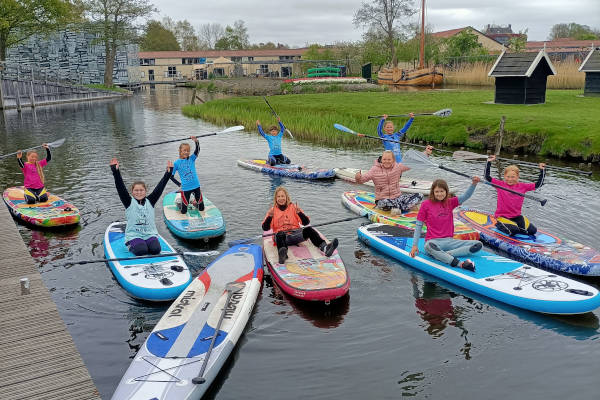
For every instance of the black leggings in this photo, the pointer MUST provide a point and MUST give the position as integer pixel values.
(284, 240)
(35, 195)
(519, 225)
(186, 199)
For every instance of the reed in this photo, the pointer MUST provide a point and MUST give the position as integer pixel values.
(567, 76)
(471, 74)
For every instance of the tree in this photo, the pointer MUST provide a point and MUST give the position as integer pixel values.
(21, 19)
(383, 15)
(463, 44)
(235, 38)
(518, 43)
(409, 50)
(209, 35)
(374, 49)
(573, 31)
(184, 32)
(158, 38)
(113, 20)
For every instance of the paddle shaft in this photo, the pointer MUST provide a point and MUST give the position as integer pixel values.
(398, 115)
(541, 201)
(183, 254)
(276, 116)
(53, 144)
(171, 141)
(394, 141)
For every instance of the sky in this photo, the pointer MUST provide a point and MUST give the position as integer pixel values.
(301, 22)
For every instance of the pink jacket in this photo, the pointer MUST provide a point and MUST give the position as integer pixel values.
(387, 181)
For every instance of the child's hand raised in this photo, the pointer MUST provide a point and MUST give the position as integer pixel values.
(45, 145)
(412, 115)
(542, 165)
(385, 116)
(492, 157)
(476, 180)
(169, 165)
(114, 162)
(257, 123)
(194, 138)
(428, 150)
(19, 154)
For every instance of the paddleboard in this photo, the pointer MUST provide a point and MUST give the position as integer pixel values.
(152, 279)
(174, 352)
(406, 184)
(544, 249)
(363, 203)
(52, 213)
(307, 273)
(194, 224)
(497, 277)
(288, 170)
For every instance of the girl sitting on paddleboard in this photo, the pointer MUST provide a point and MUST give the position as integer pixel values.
(274, 139)
(34, 175)
(385, 130)
(285, 219)
(436, 214)
(186, 167)
(508, 207)
(385, 174)
(141, 236)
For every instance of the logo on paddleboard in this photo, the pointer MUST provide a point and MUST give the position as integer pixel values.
(547, 285)
(233, 303)
(182, 303)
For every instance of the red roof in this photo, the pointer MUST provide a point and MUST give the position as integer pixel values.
(222, 53)
(565, 44)
(449, 33)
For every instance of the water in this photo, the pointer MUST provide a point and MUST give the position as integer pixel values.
(399, 333)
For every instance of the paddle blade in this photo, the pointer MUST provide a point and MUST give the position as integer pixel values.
(343, 128)
(56, 143)
(233, 129)
(446, 112)
(201, 253)
(467, 155)
(414, 157)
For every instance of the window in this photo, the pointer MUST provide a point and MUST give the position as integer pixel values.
(146, 61)
(220, 72)
(172, 72)
(236, 59)
(250, 58)
(264, 69)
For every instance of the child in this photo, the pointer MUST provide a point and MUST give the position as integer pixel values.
(508, 208)
(285, 219)
(274, 139)
(436, 214)
(34, 175)
(385, 130)
(141, 235)
(189, 179)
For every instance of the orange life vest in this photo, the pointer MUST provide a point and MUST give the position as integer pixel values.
(287, 219)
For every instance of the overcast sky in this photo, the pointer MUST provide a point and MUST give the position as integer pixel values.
(299, 22)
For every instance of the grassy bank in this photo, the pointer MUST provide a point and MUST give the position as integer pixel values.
(566, 126)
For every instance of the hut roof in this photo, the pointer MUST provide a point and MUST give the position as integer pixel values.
(592, 61)
(519, 64)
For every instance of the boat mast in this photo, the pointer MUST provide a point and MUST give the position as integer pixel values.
(422, 49)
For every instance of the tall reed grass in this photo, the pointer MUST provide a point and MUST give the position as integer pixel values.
(567, 76)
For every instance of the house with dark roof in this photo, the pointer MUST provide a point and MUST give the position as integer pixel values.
(521, 77)
(502, 34)
(591, 67)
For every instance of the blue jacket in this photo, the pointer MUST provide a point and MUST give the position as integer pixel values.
(396, 136)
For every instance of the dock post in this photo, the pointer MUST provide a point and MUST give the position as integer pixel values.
(25, 286)
(32, 96)
(500, 135)
(17, 95)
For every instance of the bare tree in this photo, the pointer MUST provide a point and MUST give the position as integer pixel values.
(209, 34)
(384, 16)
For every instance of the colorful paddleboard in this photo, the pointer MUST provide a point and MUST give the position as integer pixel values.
(496, 277)
(152, 279)
(288, 170)
(307, 273)
(194, 224)
(174, 353)
(406, 184)
(544, 249)
(52, 213)
(363, 203)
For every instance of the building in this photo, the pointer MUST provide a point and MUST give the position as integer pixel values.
(591, 67)
(173, 66)
(521, 77)
(502, 34)
(491, 45)
(563, 49)
(75, 56)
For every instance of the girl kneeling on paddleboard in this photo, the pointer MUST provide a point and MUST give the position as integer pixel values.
(385, 174)
(34, 175)
(285, 219)
(436, 214)
(274, 140)
(508, 208)
(385, 130)
(186, 167)
(141, 236)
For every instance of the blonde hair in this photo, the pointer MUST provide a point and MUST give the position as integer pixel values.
(388, 122)
(439, 183)
(38, 167)
(513, 168)
(288, 200)
(184, 144)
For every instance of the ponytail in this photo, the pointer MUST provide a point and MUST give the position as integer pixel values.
(40, 172)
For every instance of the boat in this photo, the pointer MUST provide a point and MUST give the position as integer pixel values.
(194, 224)
(53, 213)
(287, 170)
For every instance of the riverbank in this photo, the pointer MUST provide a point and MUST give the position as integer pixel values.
(565, 127)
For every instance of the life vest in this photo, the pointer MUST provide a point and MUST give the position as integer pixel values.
(140, 221)
(285, 220)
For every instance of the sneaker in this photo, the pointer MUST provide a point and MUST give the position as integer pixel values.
(200, 206)
(468, 265)
(329, 248)
(282, 255)
(385, 208)
(396, 211)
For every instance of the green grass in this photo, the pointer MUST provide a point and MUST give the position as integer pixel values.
(566, 126)
(102, 87)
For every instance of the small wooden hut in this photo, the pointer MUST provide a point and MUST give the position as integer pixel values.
(521, 77)
(591, 67)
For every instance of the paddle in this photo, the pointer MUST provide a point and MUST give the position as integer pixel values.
(180, 253)
(276, 116)
(56, 143)
(231, 288)
(231, 129)
(446, 112)
(246, 240)
(467, 155)
(348, 130)
(420, 158)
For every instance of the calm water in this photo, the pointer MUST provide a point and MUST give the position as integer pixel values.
(399, 333)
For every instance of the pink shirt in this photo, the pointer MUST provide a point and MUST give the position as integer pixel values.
(437, 217)
(509, 204)
(32, 178)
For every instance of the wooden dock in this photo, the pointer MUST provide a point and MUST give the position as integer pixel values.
(39, 359)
